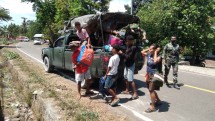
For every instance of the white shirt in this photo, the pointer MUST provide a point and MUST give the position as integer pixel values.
(83, 35)
(113, 63)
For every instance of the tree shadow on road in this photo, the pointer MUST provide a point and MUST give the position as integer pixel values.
(164, 107)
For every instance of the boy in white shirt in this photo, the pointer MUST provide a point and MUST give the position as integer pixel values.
(111, 74)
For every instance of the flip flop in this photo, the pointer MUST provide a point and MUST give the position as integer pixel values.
(134, 97)
(125, 92)
(149, 110)
(115, 103)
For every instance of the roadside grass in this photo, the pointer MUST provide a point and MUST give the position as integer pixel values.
(35, 81)
(4, 41)
(10, 55)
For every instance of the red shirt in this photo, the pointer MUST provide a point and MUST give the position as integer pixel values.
(80, 68)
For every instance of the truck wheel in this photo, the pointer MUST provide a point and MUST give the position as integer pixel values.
(47, 66)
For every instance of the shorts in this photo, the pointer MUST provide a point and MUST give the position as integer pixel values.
(110, 81)
(81, 77)
(129, 73)
(150, 84)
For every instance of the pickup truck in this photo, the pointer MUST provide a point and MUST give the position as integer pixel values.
(58, 55)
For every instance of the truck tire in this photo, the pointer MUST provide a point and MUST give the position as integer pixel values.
(48, 68)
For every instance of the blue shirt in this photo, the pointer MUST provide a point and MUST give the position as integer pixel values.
(151, 66)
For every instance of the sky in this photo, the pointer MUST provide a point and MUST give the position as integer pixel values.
(19, 9)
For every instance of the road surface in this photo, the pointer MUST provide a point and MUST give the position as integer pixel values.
(193, 102)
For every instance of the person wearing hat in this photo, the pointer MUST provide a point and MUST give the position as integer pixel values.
(111, 74)
(129, 56)
(82, 34)
(171, 58)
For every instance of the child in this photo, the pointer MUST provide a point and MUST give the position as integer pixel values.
(111, 74)
(81, 71)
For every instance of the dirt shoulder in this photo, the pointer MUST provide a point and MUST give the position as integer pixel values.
(63, 92)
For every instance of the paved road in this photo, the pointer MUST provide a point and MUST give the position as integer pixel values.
(193, 102)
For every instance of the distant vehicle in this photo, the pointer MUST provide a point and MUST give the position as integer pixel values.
(38, 39)
(22, 38)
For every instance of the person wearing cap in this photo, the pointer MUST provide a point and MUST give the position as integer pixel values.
(152, 68)
(137, 33)
(171, 58)
(129, 56)
(82, 72)
(82, 34)
(111, 74)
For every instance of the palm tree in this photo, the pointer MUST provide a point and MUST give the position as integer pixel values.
(4, 14)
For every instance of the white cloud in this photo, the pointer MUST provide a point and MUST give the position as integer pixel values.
(17, 10)
(118, 5)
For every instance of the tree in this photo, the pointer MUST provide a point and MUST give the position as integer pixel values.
(34, 27)
(4, 14)
(51, 14)
(13, 30)
(189, 20)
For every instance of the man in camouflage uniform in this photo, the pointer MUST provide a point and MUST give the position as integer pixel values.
(171, 58)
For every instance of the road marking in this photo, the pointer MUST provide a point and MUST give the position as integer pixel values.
(205, 90)
(133, 111)
(136, 113)
(28, 54)
(194, 87)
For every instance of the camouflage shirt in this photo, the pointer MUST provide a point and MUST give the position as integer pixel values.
(171, 53)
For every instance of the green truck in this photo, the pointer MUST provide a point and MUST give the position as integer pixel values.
(58, 54)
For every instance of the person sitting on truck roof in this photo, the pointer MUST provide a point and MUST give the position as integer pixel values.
(82, 33)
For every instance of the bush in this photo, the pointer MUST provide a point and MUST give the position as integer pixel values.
(10, 55)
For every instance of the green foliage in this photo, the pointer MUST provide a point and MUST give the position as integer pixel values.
(13, 30)
(87, 116)
(51, 14)
(10, 55)
(4, 14)
(189, 20)
(34, 27)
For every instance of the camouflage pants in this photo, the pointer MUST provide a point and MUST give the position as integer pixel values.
(175, 71)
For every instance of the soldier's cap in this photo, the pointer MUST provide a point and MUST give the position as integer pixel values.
(134, 26)
(75, 43)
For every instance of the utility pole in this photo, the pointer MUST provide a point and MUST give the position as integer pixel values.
(131, 7)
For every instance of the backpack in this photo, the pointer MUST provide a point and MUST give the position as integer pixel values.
(86, 55)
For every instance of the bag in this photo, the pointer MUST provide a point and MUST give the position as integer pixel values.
(157, 80)
(114, 40)
(86, 56)
(102, 90)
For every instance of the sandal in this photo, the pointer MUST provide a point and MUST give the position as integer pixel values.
(134, 97)
(115, 103)
(125, 92)
(149, 110)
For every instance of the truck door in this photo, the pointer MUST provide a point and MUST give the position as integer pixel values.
(58, 56)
